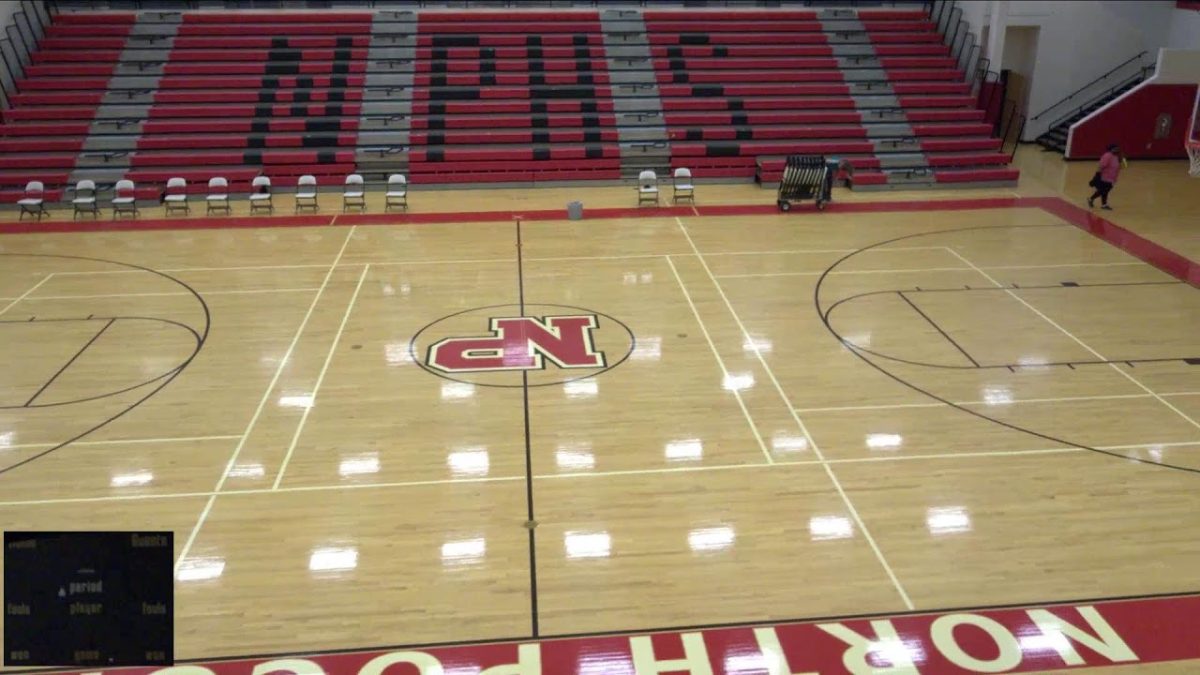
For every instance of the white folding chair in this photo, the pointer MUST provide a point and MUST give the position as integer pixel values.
(124, 199)
(85, 199)
(353, 196)
(682, 185)
(33, 202)
(647, 188)
(218, 196)
(306, 193)
(260, 195)
(176, 197)
(397, 192)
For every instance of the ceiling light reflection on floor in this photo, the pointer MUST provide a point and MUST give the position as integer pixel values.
(585, 388)
(587, 544)
(471, 461)
(711, 539)
(824, 528)
(684, 449)
(457, 391)
(648, 348)
(200, 569)
(333, 559)
(884, 441)
(575, 457)
(358, 465)
(947, 520)
(463, 552)
(132, 479)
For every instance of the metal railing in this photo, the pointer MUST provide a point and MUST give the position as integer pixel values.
(19, 42)
(1077, 95)
(1008, 123)
(1132, 79)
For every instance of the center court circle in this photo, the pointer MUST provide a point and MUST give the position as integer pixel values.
(505, 345)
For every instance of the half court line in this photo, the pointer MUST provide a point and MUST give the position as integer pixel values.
(262, 403)
(747, 339)
(337, 338)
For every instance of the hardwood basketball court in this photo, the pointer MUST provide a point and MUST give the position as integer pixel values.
(871, 410)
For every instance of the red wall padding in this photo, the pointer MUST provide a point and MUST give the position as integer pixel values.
(1130, 123)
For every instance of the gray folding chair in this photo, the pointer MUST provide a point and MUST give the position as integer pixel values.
(33, 202)
(218, 196)
(397, 192)
(85, 199)
(647, 188)
(124, 199)
(176, 198)
(306, 194)
(354, 196)
(260, 195)
(683, 189)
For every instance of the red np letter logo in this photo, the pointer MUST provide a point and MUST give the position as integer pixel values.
(520, 343)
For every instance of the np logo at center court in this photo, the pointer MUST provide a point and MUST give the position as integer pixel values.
(522, 343)
(529, 345)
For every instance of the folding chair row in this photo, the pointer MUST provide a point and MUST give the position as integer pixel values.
(681, 186)
(33, 201)
(354, 195)
(175, 197)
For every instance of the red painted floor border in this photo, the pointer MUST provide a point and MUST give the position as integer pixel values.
(1174, 264)
(1081, 634)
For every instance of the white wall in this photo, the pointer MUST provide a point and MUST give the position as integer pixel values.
(1080, 40)
(1185, 29)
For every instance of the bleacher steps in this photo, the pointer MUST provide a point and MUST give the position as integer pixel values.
(636, 102)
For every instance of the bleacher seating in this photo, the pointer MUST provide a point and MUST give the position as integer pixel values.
(469, 97)
(512, 97)
(741, 89)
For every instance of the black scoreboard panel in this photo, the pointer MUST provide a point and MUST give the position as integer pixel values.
(88, 598)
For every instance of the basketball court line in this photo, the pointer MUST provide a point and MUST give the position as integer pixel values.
(262, 403)
(177, 439)
(747, 339)
(337, 338)
(1081, 343)
(164, 294)
(737, 394)
(817, 274)
(474, 261)
(593, 474)
(26, 293)
(928, 269)
(1015, 401)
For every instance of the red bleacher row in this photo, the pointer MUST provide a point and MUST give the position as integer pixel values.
(267, 75)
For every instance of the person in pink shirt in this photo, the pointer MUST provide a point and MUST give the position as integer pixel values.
(1106, 177)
